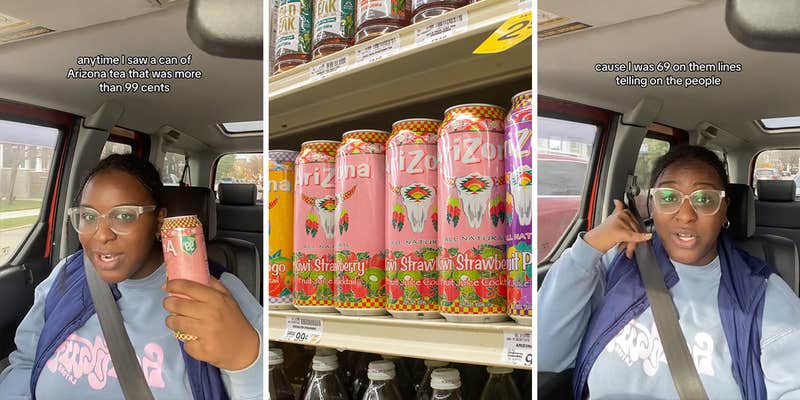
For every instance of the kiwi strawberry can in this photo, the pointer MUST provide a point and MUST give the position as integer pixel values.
(279, 228)
(184, 246)
(359, 237)
(519, 210)
(314, 206)
(411, 219)
(471, 204)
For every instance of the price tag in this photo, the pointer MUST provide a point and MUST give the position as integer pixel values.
(441, 30)
(512, 32)
(303, 330)
(517, 349)
(378, 49)
(328, 68)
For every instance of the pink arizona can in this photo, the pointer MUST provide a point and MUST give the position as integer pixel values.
(314, 206)
(472, 191)
(519, 209)
(359, 238)
(184, 246)
(411, 219)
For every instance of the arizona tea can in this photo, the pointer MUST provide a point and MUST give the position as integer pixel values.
(411, 219)
(314, 206)
(360, 247)
(184, 246)
(519, 209)
(293, 39)
(472, 191)
(279, 228)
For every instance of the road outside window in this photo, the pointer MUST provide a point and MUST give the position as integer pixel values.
(778, 165)
(241, 168)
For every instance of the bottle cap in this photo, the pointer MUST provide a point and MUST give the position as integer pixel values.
(325, 363)
(325, 351)
(499, 370)
(275, 356)
(381, 370)
(445, 379)
(436, 363)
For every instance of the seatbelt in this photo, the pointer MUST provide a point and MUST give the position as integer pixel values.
(679, 360)
(123, 357)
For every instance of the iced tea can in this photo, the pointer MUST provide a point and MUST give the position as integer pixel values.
(279, 228)
(184, 246)
(359, 237)
(519, 209)
(314, 206)
(411, 219)
(472, 227)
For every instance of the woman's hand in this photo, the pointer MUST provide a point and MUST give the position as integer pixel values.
(225, 337)
(621, 227)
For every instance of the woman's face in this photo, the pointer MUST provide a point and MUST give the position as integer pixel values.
(120, 257)
(690, 238)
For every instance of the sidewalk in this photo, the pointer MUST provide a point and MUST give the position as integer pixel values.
(19, 214)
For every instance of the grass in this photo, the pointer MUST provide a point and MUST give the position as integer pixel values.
(6, 223)
(18, 205)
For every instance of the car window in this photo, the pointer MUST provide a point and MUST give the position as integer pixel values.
(777, 165)
(241, 168)
(26, 157)
(565, 148)
(650, 150)
(172, 170)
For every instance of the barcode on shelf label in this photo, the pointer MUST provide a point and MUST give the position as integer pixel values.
(328, 68)
(443, 29)
(378, 49)
(303, 330)
(517, 349)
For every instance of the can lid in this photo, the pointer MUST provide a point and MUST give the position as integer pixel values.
(325, 351)
(367, 135)
(318, 141)
(403, 121)
(180, 221)
(445, 379)
(474, 105)
(499, 370)
(325, 363)
(436, 363)
(521, 94)
(278, 151)
(381, 370)
(275, 356)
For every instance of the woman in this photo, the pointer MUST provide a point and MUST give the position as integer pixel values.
(118, 223)
(740, 319)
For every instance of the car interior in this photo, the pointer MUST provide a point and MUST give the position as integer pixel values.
(179, 130)
(616, 118)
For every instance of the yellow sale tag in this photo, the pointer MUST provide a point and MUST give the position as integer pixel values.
(513, 32)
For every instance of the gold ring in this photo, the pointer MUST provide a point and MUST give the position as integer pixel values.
(184, 337)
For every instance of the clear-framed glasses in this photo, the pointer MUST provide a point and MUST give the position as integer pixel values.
(120, 219)
(703, 201)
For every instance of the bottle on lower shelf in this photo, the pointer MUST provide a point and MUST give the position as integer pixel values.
(500, 385)
(424, 391)
(279, 386)
(446, 384)
(325, 383)
(382, 384)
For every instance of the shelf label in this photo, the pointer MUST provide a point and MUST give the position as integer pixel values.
(517, 349)
(378, 49)
(443, 29)
(328, 68)
(511, 33)
(303, 330)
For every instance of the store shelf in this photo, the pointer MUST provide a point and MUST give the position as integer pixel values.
(412, 75)
(426, 339)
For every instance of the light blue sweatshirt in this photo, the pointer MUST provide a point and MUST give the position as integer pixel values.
(633, 365)
(81, 366)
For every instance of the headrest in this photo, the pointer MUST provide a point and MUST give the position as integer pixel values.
(775, 190)
(237, 194)
(741, 210)
(192, 200)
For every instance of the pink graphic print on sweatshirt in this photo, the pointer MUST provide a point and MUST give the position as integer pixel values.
(78, 357)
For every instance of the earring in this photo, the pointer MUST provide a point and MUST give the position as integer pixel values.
(726, 225)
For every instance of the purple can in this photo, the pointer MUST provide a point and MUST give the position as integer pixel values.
(519, 208)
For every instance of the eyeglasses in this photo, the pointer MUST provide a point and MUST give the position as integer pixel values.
(120, 219)
(703, 201)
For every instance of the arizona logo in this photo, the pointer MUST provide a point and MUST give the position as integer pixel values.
(325, 207)
(521, 190)
(344, 216)
(474, 190)
(416, 198)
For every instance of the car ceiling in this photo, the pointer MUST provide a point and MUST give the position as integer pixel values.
(674, 31)
(34, 70)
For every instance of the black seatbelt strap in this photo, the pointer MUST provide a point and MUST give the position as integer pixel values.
(681, 365)
(123, 357)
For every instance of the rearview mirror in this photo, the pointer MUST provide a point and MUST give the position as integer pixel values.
(230, 28)
(770, 25)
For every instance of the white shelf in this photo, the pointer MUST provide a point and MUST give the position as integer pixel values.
(412, 75)
(480, 344)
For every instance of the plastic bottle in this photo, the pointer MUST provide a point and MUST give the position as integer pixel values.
(382, 385)
(324, 383)
(404, 381)
(279, 386)
(424, 391)
(446, 384)
(500, 385)
(293, 37)
(360, 379)
(334, 26)
(322, 351)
